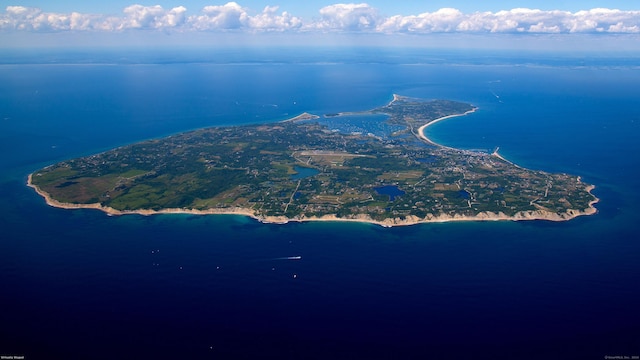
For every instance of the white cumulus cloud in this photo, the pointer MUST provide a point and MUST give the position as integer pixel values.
(519, 20)
(349, 17)
(342, 17)
(228, 16)
(152, 17)
(21, 18)
(233, 16)
(443, 20)
(270, 20)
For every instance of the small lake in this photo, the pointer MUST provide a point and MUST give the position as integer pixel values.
(391, 190)
(303, 172)
(464, 194)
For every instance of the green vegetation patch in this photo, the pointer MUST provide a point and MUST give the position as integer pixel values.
(252, 167)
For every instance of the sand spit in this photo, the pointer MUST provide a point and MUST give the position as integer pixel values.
(302, 117)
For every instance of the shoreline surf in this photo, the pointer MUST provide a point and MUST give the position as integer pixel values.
(362, 218)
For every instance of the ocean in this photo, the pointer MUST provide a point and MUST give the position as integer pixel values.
(78, 284)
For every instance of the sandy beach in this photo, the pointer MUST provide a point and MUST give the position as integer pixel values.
(423, 127)
(302, 117)
(391, 222)
(422, 136)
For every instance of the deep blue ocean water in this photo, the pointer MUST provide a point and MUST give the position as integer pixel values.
(83, 285)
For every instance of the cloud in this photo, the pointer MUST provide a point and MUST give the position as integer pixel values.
(519, 20)
(349, 17)
(228, 16)
(343, 17)
(150, 17)
(234, 16)
(32, 19)
(135, 17)
(269, 20)
(443, 20)
(604, 20)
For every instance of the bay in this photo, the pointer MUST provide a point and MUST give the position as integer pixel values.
(80, 284)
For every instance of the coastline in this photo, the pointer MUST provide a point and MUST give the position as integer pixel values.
(423, 137)
(422, 128)
(396, 97)
(361, 218)
(496, 154)
(302, 117)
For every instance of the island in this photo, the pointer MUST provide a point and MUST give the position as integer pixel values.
(373, 166)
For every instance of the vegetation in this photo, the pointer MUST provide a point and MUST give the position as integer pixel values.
(252, 166)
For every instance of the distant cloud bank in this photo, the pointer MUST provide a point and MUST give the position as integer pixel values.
(334, 18)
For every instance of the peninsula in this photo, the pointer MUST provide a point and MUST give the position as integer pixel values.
(313, 168)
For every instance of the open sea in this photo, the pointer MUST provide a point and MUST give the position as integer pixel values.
(78, 284)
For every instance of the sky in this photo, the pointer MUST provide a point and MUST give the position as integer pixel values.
(33, 22)
(309, 8)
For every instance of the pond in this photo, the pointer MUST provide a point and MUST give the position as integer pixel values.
(391, 190)
(303, 172)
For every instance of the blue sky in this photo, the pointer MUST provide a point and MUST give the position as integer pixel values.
(309, 8)
(70, 21)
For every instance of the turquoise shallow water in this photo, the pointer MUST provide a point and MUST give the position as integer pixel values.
(80, 284)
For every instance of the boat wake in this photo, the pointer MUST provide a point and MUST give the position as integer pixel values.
(288, 258)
